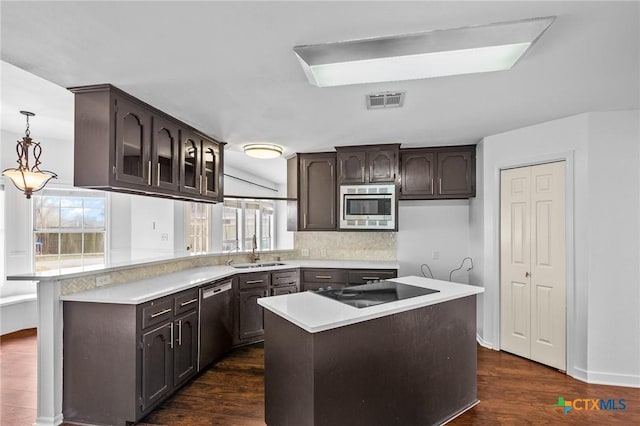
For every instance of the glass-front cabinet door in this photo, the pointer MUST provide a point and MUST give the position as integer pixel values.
(190, 177)
(165, 154)
(132, 132)
(210, 169)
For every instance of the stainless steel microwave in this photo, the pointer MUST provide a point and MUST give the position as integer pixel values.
(368, 207)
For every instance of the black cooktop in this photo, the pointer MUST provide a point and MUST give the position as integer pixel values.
(362, 296)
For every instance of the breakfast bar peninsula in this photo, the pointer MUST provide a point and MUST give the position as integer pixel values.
(399, 352)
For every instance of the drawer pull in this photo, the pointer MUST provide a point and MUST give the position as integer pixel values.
(324, 277)
(254, 281)
(157, 314)
(188, 302)
(370, 278)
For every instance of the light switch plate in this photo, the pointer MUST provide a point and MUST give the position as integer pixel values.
(304, 252)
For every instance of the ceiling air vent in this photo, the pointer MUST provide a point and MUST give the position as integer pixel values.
(385, 100)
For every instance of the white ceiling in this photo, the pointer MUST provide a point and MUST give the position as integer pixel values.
(228, 68)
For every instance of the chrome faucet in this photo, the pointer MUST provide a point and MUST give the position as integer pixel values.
(229, 260)
(254, 245)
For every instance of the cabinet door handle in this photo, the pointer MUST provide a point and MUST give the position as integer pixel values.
(323, 277)
(370, 278)
(200, 184)
(362, 174)
(171, 340)
(188, 302)
(206, 183)
(157, 314)
(526, 275)
(254, 281)
(149, 173)
(432, 190)
(440, 185)
(304, 220)
(158, 175)
(179, 332)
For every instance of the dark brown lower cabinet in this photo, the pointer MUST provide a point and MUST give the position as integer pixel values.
(251, 314)
(185, 348)
(120, 360)
(252, 286)
(290, 289)
(157, 364)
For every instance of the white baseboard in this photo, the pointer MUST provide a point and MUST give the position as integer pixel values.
(49, 421)
(603, 378)
(484, 343)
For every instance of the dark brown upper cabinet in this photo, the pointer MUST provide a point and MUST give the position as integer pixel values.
(438, 173)
(166, 154)
(368, 164)
(312, 181)
(123, 144)
(200, 172)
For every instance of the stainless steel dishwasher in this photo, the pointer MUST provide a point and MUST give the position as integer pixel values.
(216, 322)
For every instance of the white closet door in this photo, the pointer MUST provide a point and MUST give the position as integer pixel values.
(515, 261)
(548, 257)
(533, 286)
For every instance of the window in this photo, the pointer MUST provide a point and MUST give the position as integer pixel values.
(198, 220)
(242, 219)
(69, 229)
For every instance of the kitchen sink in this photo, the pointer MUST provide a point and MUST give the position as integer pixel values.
(257, 265)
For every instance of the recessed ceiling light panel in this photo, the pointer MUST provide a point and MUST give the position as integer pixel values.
(437, 53)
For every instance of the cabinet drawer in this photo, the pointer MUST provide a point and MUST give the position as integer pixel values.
(324, 276)
(357, 277)
(288, 289)
(283, 278)
(157, 311)
(318, 286)
(254, 280)
(186, 301)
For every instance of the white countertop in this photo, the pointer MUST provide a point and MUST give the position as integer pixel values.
(315, 313)
(142, 291)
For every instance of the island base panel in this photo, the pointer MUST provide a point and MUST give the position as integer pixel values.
(414, 367)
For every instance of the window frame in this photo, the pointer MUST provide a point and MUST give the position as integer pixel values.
(68, 193)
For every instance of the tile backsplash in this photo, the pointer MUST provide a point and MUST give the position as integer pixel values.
(346, 245)
(153, 269)
(318, 245)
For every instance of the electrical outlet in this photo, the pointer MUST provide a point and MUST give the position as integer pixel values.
(323, 252)
(103, 280)
(304, 252)
(436, 255)
(164, 237)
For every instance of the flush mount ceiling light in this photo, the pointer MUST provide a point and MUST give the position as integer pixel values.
(28, 179)
(262, 150)
(438, 53)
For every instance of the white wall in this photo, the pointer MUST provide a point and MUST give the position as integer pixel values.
(428, 226)
(476, 239)
(614, 247)
(152, 227)
(233, 186)
(584, 141)
(119, 227)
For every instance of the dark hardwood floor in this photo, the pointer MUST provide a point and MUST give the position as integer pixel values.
(512, 391)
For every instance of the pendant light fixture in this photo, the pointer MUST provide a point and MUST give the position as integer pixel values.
(263, 150)
(26, 178)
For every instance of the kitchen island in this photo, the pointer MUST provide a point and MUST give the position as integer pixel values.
(405, 362)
